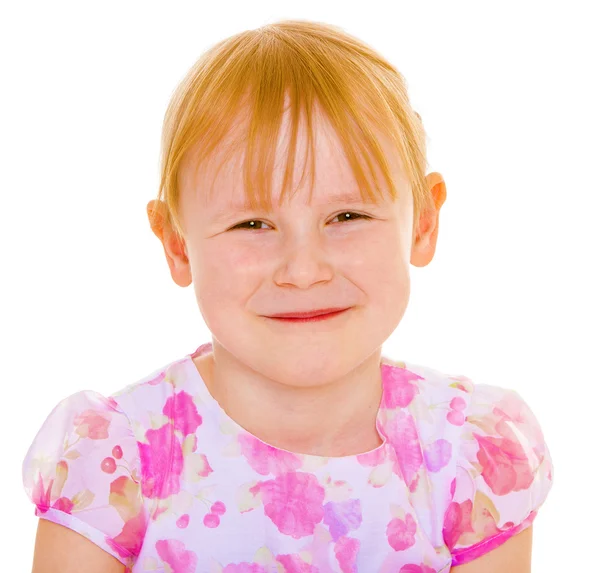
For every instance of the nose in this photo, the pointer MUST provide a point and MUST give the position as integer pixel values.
(304, 262)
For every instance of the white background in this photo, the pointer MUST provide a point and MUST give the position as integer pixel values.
(508, 93)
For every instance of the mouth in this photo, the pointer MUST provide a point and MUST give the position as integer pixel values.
(313, 316)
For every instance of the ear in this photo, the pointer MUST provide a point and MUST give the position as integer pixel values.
(173, 245)
(426, 231)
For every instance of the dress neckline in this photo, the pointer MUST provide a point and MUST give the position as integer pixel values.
(376, 454)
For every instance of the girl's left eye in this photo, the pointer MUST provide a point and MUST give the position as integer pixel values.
(343, 214)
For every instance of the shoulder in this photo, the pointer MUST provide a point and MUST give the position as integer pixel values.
(86, 416)
(482, 451)
(493, 432)
(437, 401)
(429, 383)
(149, 400)
(95, 452)
(164, 408)
(83, 460)
(461, 409)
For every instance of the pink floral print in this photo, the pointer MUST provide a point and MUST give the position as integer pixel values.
(181, 410)
(401, 534)
(162, 479)
(293, 502)
(416, 569)
(342, 517)
(92, 425)
(161, 463)
(437, 455)
(265, 459)
(403, 435)
(176, 556)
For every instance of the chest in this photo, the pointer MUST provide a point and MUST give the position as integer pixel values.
(229, 514)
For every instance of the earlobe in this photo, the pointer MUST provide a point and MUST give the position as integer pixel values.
(425, 242)
(175, 251)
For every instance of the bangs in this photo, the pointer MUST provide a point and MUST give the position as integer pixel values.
(234, 99)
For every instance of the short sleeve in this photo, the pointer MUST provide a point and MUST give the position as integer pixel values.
(82, 471)
(503, 471)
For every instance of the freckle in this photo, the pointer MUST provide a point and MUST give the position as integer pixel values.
(183, 521)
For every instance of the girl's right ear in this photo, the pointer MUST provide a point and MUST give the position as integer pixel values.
(173, 245)
(156, 217)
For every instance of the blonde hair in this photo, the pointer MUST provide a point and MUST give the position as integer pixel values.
(360, 92)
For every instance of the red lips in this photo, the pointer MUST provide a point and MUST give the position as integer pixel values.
(307, 314)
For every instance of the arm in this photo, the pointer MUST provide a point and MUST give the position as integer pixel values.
(514, 555)
(59, 549)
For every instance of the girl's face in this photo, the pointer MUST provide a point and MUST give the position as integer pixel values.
(300, 257)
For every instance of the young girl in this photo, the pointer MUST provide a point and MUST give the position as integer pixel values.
(289, 444)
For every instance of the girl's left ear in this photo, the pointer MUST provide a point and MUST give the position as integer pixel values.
(426, 231)
(437, 186)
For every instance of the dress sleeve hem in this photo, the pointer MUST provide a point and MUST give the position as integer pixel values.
(462, 556)
(91, 533)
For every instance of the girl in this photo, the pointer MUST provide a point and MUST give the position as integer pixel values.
(288, 443)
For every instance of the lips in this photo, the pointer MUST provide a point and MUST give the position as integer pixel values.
(307, 314)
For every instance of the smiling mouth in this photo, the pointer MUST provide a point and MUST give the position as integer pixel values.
(307, 313)
(309, 318)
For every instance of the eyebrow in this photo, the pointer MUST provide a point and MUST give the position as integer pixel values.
(237, 209)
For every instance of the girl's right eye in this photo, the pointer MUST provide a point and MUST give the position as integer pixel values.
(242, 225)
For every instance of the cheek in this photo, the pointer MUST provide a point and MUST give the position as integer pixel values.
(381, 254)
(381, 268)
(225, 270)
(387, 285)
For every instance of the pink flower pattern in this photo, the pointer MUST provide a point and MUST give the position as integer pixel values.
(92, 424)
(161, 463)
(346, 552)
(342, 517)
(159, 477)
(403, 435)
(457, 521)
(401, 390)
(438, 454)
(401, 533)
(174, 554)
(181, 409)
(412, 568)
(505, 464)
(265, 459)
(295, 564)
(293, 502)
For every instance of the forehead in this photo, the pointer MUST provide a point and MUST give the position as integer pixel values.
(216, 187)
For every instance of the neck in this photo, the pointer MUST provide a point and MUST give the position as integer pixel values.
(334, 419)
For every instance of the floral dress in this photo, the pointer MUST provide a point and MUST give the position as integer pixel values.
(161, 478)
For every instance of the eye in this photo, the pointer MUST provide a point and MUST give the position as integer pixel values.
(255, 223)
(357, 215)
